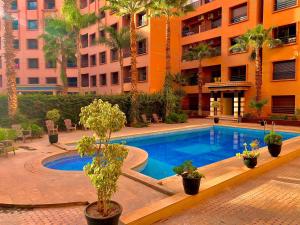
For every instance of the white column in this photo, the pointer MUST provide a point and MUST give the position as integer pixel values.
(236, 105)
(212, 112)
(219, 108)
(242, 106)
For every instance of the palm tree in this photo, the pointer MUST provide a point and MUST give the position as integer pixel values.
(77, 21)
(200, 52)
(124, 8)
(256, 39)
(60, 45)
(169, 9)
(9, 56)
(119, 40)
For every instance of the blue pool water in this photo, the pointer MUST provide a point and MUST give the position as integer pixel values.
(166, 150)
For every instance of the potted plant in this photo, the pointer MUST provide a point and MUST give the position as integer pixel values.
(258, 106)
(191, 178)
(274, 142)
(103, 119)
(250, 157)
(215, 106)
(54, 116)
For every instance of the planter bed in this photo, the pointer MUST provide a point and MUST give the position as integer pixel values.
(277, 122)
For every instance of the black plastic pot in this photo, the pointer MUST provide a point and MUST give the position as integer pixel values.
(274, 150)
(110, 220)
(262, 122)
(191, 185)
(216, 119)
(250, 162)
(53, 138)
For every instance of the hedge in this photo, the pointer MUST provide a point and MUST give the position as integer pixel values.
(34, 107)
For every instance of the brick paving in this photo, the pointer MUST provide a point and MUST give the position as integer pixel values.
(273, 198)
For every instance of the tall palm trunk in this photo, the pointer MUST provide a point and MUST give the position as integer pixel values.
(78, 61)
(134, 72)
(9, 56)
(121, 61)
(168, 46)
(200, 84)
(258, 73)
(63, 74)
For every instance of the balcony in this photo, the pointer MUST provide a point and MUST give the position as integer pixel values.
(202, 23)
(84, 40)
(287, 34)
(84, 61)
(239, 13)
(281, 5)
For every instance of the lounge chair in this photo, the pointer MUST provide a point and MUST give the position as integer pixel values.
(145, 119)
(156, 118)
(21, 133)
(7, 146)
(51, 128)
(69, 125)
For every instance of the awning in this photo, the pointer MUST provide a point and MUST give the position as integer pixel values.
(229, 86)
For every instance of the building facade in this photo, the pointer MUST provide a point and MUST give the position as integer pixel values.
(229, 76)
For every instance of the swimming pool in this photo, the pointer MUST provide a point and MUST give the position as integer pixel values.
(203, 146)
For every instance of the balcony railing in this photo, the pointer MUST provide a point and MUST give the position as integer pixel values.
(238, 19)
(127, 79)
(283, 109)
(284, 5)
(142, 50)
(238, 77)
(288, 39)
(198, 3)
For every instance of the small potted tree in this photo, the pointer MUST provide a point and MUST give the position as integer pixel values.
(54, 116)
(250, 156)
(274, 142)
(215, 106)
(103, 119)
(258, 106)
(191, 178)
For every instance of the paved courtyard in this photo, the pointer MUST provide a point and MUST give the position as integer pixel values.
(273, 198)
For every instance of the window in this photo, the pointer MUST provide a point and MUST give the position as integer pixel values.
(284, 104)
(16, 44)
(94, 81)
(102, 34)
(15, 24)
(85, 80)
(51, 80)
(238, 73)
(32, 24)
(84, 40)
(84, 60)
(287, 34)
(93, 39)
(283, 4)
(115, 78)
(102, 79)
(141, 19)
(17, 80)
(83, 4)
(142, 46)
(33, 80)
(233, 41)
(33, 63)
(32, 44)
(114, 55)
(49, 4)
(142, 74)
(239, 13)
(50, 64)
(72, 81)
(14, 5)
(17, 63)
(284, 70)
(71, 63)
(93, 60)
(1, 81)
(102, 57)
(31, 4)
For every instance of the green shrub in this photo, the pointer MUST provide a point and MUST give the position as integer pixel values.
(53, 115)
(7, 134)
(36, 130)
(273, 138)
(278, 117)
(176, 118)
